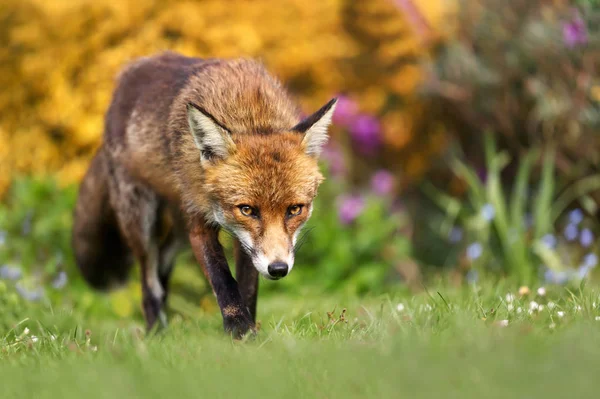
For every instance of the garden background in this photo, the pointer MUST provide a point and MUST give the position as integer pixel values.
(464, 151)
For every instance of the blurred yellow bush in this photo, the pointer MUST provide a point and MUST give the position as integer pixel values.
(58, 60)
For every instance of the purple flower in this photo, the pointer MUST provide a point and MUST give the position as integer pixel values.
(60, 280)
(528, 221)
(575, 216)
(382, 182)
(482, 174)
(590, 260)
(575, 32)
(345, 111)
(334, 157)
(474, 251)
(456, 234)
(571, 232)
(31, 296)
(351, 206)
(26, 226)
(583, 271)
(554, 277)
(488, 212)
(549, 240)
(365, 132)
(586, 238)
(472, 276)
(10, 272)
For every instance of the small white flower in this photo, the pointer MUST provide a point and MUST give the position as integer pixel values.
(510, 307)
(541, 307)
(533, 305)
(400, 307)
(503, 323)
(94, 348)
(594, 304)
(597, 318)
(510, 297)
(552, 326)
(560, 314)
(551, 305)
(428, 307)
(541, 291)
(26, 331)
(519, 310)
(578, 308)
(34, 338)
(52, 337)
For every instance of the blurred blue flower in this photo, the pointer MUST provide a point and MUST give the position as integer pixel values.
(482, 174)
(10, 272)
(27, 222)
(549, 240)
(351, 206)
(31, 296)
(335, 159)
(488, 212)
(456, 234)
(365, 132)
(474, 251)
(575, 32)
(60, 280)
(528, 222)
(382, 182)
(2, 237)
(345, 111)
(583, 271)
(554, 277)
(586, 238)
(472, 276)
(575, 216)
(571, 232)
(590, 260)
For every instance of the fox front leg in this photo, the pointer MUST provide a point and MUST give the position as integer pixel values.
(247, 278)
(209, 253)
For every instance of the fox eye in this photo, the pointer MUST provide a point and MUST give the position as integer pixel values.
(295, 210)
(247, 210)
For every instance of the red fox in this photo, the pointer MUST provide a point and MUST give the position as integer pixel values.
(192, 146)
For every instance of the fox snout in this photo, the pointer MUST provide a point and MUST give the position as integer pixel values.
(271, 254)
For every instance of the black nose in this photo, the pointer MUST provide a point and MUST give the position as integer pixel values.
(278, 269)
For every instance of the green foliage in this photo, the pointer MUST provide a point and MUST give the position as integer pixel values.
(358, 257)
(529, 72)
(36, 220)
(506, 232)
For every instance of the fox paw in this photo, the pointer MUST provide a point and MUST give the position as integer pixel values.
(239, 324)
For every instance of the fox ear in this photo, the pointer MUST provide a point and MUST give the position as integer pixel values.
(315, 127)
(212, 139)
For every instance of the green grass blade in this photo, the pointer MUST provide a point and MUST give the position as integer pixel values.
(575, 191)
(476, 188)
(543, 203)
(519, 194)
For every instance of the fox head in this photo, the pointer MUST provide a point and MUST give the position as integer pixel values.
(261, 186)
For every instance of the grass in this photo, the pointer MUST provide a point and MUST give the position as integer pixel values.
(463, 343)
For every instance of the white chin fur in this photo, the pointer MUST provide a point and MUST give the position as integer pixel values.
(260, 261)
